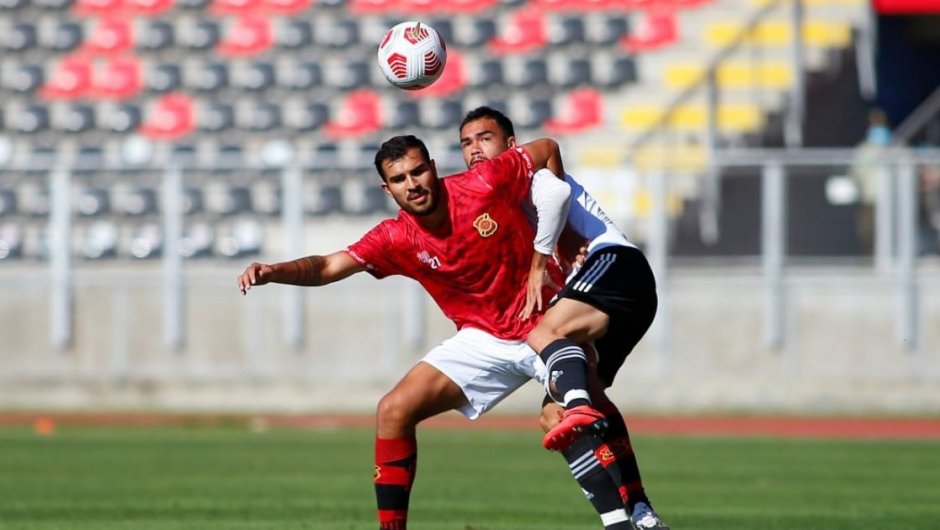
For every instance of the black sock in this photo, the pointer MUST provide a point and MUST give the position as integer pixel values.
(566, 365)
(596, 483)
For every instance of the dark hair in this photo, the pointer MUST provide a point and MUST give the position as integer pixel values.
(489, 112)
(396, 147)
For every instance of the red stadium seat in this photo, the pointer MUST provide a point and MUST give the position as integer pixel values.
(359, 114)
(581, 111)
(111, 36)
(452, 80)
(526, 31)
(234, 7)
(148, 8)
(172, 117)
(249, 35)
(419, 6)
(286, 7)
(469, 6)
(372, 6)
(120, 79)
(97, 7)
(656, 29)
(71, 79)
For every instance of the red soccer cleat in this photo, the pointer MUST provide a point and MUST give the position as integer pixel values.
(574, 423)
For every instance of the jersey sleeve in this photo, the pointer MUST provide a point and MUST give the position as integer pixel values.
(510, 173)
(375, 251)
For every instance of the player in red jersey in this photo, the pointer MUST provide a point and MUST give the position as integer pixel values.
(468, 242)
(624, 295)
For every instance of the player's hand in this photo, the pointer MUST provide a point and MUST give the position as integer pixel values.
(255, 274)
(538, 280)
(581, 257)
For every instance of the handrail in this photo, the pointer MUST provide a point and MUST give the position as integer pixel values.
(709, 71)
(916, 121)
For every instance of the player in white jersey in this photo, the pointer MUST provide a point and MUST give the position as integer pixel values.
(609, 301)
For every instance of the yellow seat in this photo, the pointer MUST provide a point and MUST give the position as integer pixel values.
(601, 156)
(816, 33)
(775, 75)
(675, 159)
(732, 118)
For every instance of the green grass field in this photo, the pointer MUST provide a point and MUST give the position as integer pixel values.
(231, 478)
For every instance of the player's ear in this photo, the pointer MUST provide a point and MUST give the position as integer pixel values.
(511, 141)
(433, 168)
(386, 190)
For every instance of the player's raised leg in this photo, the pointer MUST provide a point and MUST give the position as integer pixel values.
(423, 392)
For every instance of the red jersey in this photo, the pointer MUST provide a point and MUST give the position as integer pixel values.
(475, 266)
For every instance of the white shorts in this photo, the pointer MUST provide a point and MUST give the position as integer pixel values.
(486, 368)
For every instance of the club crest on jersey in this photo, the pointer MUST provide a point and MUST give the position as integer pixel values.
(485, 225)
(377, 474)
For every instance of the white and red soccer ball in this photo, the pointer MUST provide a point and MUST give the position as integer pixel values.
(412, 55)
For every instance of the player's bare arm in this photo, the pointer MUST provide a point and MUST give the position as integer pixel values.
(546, 153)
(310, 271)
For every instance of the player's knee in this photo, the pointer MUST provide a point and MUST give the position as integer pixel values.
(393, 412)
(551, 415)
(540, 337)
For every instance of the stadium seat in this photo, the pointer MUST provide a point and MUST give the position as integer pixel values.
(193, 202)
(249, 35)
(358, 114)
(255, 77)
(567, 31)
(119, 78)
(326, 155)
(534, 73)
(164, 78)
(532, 113)
(294, 34)
(155, 35)
(452, 80)
(286, 7)
(203, 35)
(192, 5)
(310, 117)
(655, 30)
(323, 200)
(137, 202)
(402, 115)
(97, 8)
(371, 6)
(487, 74)
(209, 77)
(11, 241)
(33, 201)
(244, 238)
(608, 31)
(53, 5)
(171, 117)
(583, 109)
(19, 38)
(72, 79)
(148, 8)
(111, 36)
(146, 241)
(614, 73)
(234, 7)
(121, 119)
(574, 72)
(13, 5)
(25, 78)
(476, 33)
(7, 202)
(229, 201)
(93, 202)
(266, 198)
(302, 76)
(216, 117)
(364, 198)
(198, 240)
(100, 240)
(525, 31)
(443, 114)
(473, 6)
(263, 117)
(342, 34)
(732, 118)
(349, 75)
(76, 119)
(444, 28)
(66, 36)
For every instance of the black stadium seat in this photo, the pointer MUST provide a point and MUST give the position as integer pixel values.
(263, 117)
(475, 34)
(303, 76)
(209, 76)
(574, 72)
(614, 73)
(7, 202)
(31, 119)
(122, 119)
(294, 35)
(155, 35)
(341, 34)
(489, 73)
(310, 117)
(257, 76)
(19, 38)
(403, 115)
(204, 35)
(65, 37)
(443, 114)
(534, 74)
(532, 113)
(611, 30)
(324, 200)
(93, 202)
(352, 74)
(77, 119)
(25, 78)
(569, 30)
(166, 77)
(216, 117)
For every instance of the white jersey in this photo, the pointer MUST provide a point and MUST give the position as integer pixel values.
(588, 219)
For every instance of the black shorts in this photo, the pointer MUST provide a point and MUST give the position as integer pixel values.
(618, 281)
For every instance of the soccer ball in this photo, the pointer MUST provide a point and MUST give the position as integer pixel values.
(412, 55)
